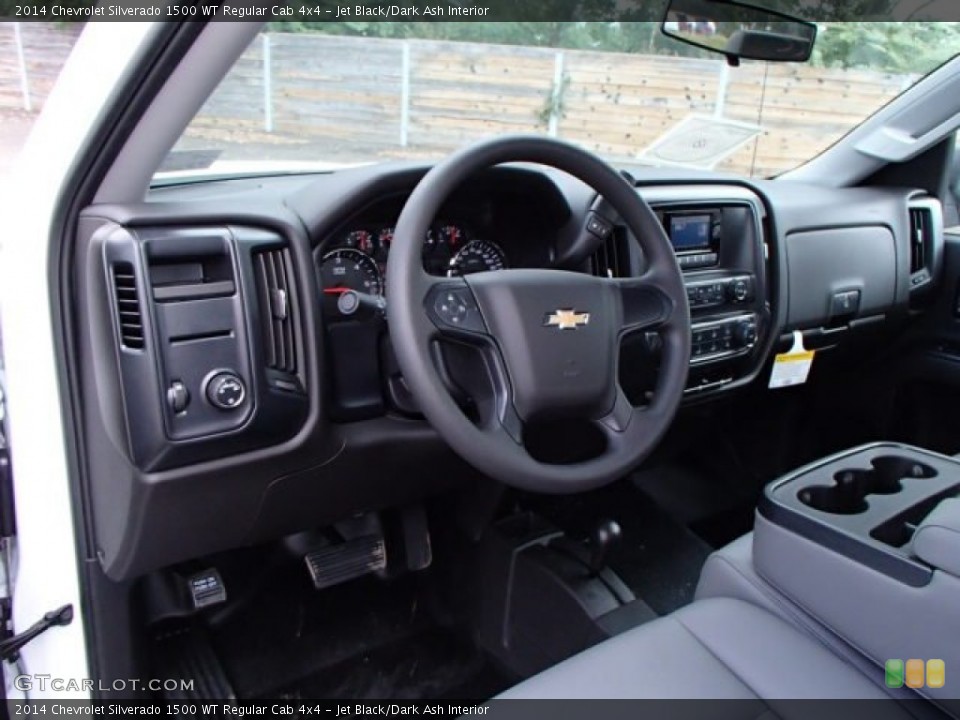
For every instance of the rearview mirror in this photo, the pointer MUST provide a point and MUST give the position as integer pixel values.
(740, 31)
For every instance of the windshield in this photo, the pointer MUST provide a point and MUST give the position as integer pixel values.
(319, 96)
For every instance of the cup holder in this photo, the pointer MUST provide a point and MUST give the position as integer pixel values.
(902, 468)
(848, 494)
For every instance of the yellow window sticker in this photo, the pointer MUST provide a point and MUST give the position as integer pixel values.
(793, 367)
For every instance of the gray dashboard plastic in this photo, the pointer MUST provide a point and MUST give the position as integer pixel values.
(824, 263)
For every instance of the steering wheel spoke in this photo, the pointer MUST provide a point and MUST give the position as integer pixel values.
(627, 426)
(616, 422)
(457, 320)
(506, 426)
(645, 303)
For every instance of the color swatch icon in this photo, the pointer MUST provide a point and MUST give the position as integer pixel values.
(915, 673)
(893, 673)
(936, 673)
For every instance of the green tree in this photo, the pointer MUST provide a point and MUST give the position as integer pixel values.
(896, 47)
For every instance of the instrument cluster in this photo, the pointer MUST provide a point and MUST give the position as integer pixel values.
(357, 260)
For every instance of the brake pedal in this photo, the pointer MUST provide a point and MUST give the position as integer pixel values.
(354, 558)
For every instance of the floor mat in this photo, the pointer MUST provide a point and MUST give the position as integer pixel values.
(658, 557)
(364, 639)
(433, 665)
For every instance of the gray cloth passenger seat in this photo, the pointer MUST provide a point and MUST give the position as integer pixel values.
(714, 648)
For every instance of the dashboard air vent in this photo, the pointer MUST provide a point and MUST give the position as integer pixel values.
(921, 238)
(275, 290)
(128, 306)
(612, 258)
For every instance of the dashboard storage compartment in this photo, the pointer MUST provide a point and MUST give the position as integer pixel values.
(859, 281)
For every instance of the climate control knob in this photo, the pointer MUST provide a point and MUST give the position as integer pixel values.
(745, 333)
(226, 391)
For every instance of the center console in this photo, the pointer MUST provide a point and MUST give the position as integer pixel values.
(867, 504)
(867, 543)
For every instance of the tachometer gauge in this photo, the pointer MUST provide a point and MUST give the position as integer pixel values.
(477, 256)
(349, 269)
(384, 241)
(452, 236)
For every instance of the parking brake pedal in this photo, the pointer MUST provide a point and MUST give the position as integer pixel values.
(354, 558)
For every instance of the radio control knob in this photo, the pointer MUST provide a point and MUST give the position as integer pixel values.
(226, 391)
(739, 290)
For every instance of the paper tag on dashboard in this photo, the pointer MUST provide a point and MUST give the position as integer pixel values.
(793, 367)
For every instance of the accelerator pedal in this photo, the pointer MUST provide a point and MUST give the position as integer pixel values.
(335, 564)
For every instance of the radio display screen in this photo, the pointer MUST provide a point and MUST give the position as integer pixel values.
(690, 232)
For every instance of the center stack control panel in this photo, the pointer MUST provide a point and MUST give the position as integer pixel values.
(716, 339)
(721, 253)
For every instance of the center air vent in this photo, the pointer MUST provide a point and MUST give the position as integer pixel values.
(277, 297)
(128, 306)
(612, 258)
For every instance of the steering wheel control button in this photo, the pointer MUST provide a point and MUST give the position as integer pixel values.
(598, 226)
(456, 308)
(226, 391)
(178, 397)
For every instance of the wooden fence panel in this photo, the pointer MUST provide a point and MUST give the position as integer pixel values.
(460, 92)
(617, 105)
(234, 113)
(337, 90)
(344, 99)
(45, 49)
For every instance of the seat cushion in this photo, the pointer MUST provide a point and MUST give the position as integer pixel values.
(714, 648)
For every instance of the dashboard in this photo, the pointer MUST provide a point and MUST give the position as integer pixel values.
(716, 233)
(221, 371)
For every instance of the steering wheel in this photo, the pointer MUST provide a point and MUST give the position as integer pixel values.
(549, 339)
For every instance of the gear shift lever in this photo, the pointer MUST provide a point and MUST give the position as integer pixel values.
(606, 535)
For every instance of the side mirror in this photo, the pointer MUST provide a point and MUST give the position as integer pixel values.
(740, 31)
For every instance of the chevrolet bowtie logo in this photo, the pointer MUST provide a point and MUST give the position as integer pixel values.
(566, 319)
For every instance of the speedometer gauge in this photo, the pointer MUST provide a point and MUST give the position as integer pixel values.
(477, 256)
(349, 269)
